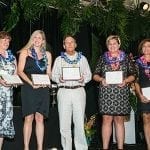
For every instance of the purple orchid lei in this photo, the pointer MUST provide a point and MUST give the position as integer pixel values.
(144, 64)
(114, 61)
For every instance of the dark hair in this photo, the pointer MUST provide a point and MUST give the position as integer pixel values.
(141, 45)
(68, 35)
(4, 34)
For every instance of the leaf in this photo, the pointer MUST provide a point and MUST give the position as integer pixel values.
(12, 20)
(110, 18)
(133, 101)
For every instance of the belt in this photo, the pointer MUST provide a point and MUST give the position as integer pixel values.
(71, 87)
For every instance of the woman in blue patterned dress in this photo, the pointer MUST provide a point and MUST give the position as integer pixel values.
(7, 66)
(114, 98)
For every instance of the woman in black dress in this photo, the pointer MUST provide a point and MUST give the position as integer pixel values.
(34, 59)
(114, 97)
(143, 64)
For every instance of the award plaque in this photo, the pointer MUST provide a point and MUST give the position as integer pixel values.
(40, 79)
(146, 92)
(12, 79)
(114, 77)
(71, 73)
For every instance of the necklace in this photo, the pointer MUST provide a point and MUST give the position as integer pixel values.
(75, 61)
(144, 64)
(42, 65)
(9, 58)
(114, 62)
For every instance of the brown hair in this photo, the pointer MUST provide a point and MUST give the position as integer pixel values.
(68, 35)
(141, 45)
(4, 34)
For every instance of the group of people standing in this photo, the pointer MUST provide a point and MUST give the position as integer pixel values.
(33, 59)
(113, 98)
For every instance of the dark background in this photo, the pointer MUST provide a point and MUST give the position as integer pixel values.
(50, 24)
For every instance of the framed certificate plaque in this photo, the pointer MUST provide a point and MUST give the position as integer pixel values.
(146, 92)
(114, 77)
(12, 79)
(71, 73)
(40, 79)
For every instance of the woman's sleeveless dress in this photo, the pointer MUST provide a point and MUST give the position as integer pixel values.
(34, 100)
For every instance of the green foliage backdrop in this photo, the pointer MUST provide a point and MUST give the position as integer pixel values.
(113, 17)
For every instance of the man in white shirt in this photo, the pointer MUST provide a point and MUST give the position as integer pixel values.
(71, 95)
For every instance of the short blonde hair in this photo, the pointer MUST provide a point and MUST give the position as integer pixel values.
(111, 37)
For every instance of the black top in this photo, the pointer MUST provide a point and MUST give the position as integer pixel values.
(144, 81)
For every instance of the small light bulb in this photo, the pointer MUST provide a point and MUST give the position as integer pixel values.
(145, 7)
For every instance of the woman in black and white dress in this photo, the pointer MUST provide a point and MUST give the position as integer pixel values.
(114, 98)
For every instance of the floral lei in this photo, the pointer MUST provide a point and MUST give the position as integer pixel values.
(114, 61)
(43, 65)
(75, 61)
(144, 64)
(9, 58)
(111, 60)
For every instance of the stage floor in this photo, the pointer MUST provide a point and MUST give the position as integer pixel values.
(126, 147)
(52, 135)
(113, 147)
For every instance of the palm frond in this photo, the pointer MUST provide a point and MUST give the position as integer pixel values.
(12, 20)
(113, 18)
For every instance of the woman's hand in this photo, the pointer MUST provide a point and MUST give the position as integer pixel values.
(15, 85)
(3, 83)
(103, 81)
(144, 99)
(124, 83)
